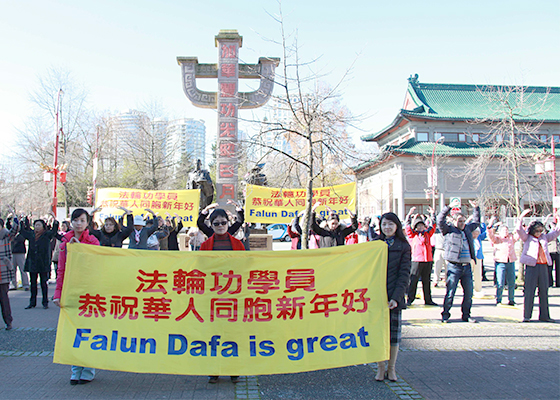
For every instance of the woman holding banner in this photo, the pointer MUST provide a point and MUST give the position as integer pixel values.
(221, 240)
(78, 234)
(398, 276)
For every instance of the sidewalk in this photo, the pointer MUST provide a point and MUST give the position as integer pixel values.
(498, 358)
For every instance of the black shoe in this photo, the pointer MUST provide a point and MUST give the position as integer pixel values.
(547, 320)
(511, 303)
(212, 379)
(431, 303)
(234, 379)
(29, 306)
(74, 381)
(444, 320)
(8, 327)
(46, 306)
(83, 381)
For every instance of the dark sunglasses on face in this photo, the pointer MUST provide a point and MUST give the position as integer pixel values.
(219, 223)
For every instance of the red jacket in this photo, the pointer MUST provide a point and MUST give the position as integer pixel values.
(235, 244)
(86, 238)
(420, 243)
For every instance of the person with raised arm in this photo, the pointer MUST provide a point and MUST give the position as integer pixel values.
(111, 234)
(138, 238)
(232, 229)
(503, 243)
(536, 259)
(419, 233)
(38, 262)
(334, 234)
(459, 252)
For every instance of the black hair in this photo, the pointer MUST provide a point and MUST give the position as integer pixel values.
(333, 216)
(111, 219)
(533, 226)
(394, 218)
(67, 225)
(218, 212)
(41, 222)
(78, 212)
(1, 223)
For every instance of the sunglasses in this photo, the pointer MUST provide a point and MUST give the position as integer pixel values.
(219, 223)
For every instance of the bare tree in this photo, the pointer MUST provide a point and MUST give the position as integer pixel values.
(310, 147)
(514, 119)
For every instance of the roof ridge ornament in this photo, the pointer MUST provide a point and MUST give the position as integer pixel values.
(413, 79)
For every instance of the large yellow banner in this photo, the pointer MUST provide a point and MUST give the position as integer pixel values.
(223, 312)
(269, 205)
(184, 203)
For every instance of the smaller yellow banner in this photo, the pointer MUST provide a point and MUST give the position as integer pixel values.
(269, 205)
(184, 203)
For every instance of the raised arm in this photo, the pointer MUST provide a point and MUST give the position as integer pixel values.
(519, 229)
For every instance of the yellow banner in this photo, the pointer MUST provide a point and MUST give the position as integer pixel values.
(269, 205)
(184, 203)
(223, 313)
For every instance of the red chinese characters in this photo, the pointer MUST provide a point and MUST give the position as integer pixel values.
(257, 309)
(223, 308)
(152, 279)
(92, 305)
(231, 277)
(227, 109)
(263, 281)
(227, 130)
(227, 170)
(228, 70)
(322, 304)
(188, 282)
(228, 190)
(227, 149)
(190, 309)
(228, 51)
(227, 89)
(123, 306)
(157, 308)
(300, 279)
(288, 307)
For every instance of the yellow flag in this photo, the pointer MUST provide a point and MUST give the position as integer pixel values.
(224, 312)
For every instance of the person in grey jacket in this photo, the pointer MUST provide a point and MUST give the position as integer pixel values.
(138, 238)
(459, 251)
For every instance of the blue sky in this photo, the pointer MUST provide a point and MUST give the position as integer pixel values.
(125, 52)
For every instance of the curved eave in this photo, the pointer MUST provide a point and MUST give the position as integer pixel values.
(397, 123)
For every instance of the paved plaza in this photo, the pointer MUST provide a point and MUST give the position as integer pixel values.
(498, 358)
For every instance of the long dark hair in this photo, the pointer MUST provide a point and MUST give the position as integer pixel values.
(394, 218)
(111, 219)
(533, 226)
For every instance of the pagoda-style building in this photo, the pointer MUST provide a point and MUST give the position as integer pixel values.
(449, 126)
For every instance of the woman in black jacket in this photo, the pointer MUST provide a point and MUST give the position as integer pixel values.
(38, 262)
(398, 277)
(111, 234)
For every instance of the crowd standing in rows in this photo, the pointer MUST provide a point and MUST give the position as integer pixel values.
(449, 243)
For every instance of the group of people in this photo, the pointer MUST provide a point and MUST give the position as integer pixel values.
(410, 255)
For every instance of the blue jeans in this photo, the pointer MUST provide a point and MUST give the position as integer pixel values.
(458, 273)
(505, 271)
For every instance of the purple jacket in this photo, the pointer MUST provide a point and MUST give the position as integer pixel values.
(531, 245)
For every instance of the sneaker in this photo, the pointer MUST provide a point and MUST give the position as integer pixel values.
(212, 379)
(526, 320)
(470, 320)
(511, 303)
(444, 320)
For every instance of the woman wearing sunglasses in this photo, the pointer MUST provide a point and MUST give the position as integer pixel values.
(221, 240)
(536, 258)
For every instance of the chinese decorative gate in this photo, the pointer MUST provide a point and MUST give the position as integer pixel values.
(228, 100)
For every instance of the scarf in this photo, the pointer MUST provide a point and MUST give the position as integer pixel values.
(390, 241)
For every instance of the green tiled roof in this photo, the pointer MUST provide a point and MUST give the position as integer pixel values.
(473, 102)
(452, 149)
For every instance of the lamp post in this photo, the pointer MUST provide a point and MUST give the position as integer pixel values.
(55, 167)
(434, 184)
